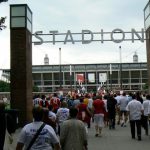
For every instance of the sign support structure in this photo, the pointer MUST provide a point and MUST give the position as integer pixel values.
(21, 61)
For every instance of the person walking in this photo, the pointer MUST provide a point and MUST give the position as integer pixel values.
(44, 102)
(90, 107)
(146, 107)
(117, 97)
(55, 102)
(123, 101)
(135, 110)
(2, 124)
(45, 139)
(111, 108)
(46, 119)
(62, 115)
(37, 100)
(99, 109)
(139, 97)
(106, 120)
(83, 113)
(7, 126)
(73, 133)
(76, 101)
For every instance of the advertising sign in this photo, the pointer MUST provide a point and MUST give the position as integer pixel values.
(80, 78)
(102, 77)
(91, 77)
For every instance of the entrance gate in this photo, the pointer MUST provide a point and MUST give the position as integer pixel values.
(21, 52)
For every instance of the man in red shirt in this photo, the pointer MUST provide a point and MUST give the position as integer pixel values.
(55, 102)
(99, 109)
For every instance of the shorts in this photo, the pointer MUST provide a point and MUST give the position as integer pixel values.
(99, 120)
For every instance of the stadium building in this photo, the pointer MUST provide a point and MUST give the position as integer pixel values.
(90, 77)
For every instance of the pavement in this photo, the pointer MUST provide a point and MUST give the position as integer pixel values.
(118, 139)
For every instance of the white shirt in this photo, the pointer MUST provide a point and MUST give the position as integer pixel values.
(90, 103)
(62, 114)
(146, 106)
(123, 101)
(117, 98)
(36, 101)
(134, 107)
(43, 141)
(52, 115)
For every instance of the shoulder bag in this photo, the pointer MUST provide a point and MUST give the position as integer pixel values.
(35, 136)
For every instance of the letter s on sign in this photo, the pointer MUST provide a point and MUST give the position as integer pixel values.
(36, 34)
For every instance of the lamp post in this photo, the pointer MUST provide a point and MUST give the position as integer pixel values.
(60, 85)
(120, 53)
(110, 77)
(71, 79)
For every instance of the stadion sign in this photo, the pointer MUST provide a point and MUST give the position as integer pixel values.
(87, 36)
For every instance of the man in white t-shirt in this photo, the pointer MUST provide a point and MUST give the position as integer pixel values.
(37, 100)
(45, 139)
(146, 106)
(62, 115)
(135, 110)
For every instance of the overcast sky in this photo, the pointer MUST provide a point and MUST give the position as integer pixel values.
(78, 15)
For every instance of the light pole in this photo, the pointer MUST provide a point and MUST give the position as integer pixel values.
(71, 79)
(60, 85)
(110, 77)
(120, 52)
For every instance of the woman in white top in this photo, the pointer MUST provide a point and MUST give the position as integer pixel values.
(45, 139)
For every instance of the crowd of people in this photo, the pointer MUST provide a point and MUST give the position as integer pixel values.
(63, 121)
(104, 109)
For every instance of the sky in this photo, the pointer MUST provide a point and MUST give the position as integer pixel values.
(78, 15)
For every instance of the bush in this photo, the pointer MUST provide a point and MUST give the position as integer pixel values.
(4, 86)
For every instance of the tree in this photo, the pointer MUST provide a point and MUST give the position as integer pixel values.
(35, 88)
(145, 86)
(4, 86)
(2, 19)
(2, 23)
(3, 1)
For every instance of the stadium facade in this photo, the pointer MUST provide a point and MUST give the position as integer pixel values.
(91, 77)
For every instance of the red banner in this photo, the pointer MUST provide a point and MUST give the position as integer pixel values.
(80, 77)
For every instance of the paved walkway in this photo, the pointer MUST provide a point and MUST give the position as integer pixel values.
(118, 139)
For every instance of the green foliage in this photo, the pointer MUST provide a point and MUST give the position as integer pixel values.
(2, 23)
(35, 89)
(3, 1)
(4, 86)
(145, 86)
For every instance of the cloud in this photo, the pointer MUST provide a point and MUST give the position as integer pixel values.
(75, 15)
